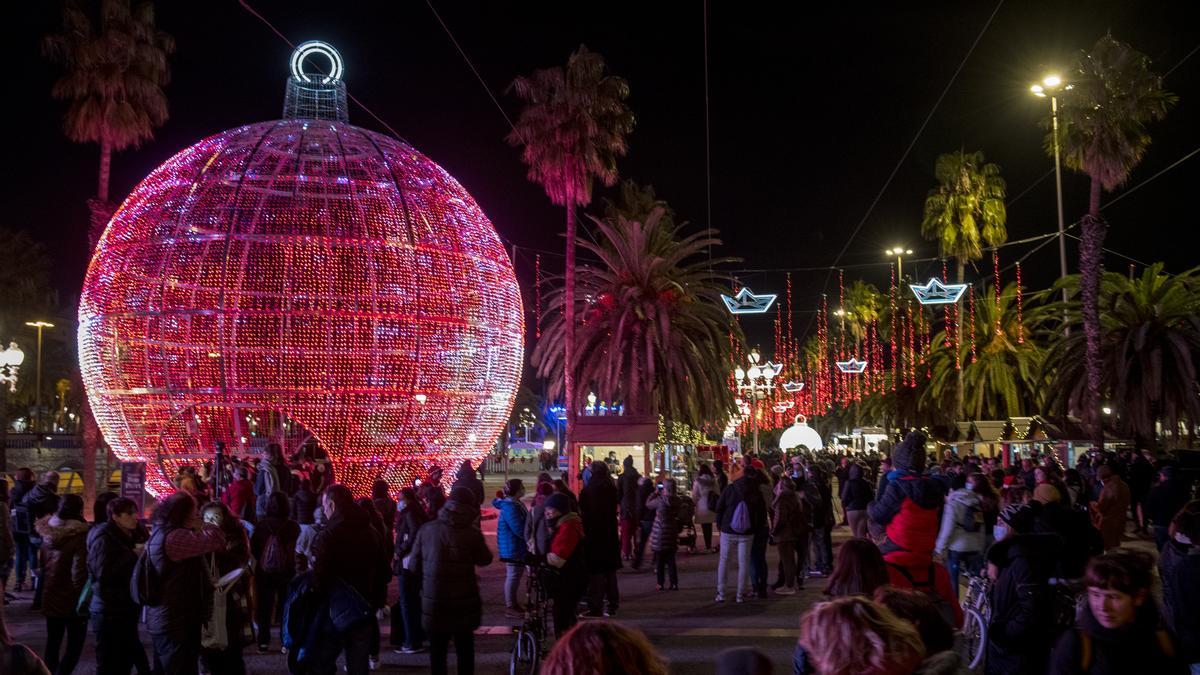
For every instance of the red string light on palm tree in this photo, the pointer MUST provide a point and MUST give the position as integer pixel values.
(537, 296)
(892, 337)
(996, 283)
(1020, 325)
(971, 310)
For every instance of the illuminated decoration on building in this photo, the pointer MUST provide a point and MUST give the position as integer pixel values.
(746, 302)
(330, 282)
(10, 366)
(783, 406)
(852, 366)
(937, 293)
(800, 434)
(793, 387)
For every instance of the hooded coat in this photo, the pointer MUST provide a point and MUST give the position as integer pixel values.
(1109, 513)
(787, 517)
(110, 561)
(909, 506)
(964, 511)
(664, 535)
(744, 489)
(598, 503)
(627, 489)
(857, 492)
(444, 556)
(1020, 631)
(510, 529)
(467, 478)
(64, 565)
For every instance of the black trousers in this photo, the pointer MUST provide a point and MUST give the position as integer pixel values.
(406, 614)
(600, 587)
(666, 563)
(177, 652)
(76, 631)
(706, 528)
(464, 649)
(566, 593)
(271, 590)
(118, 647)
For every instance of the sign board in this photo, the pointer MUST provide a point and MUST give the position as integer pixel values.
(133, 484)
(564, 462)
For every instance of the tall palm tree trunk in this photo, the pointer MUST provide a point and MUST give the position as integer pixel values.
(1091, 267)
(99, 212)
(958, 391)
(569, 348)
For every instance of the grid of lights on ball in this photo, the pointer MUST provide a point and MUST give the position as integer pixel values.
(303, 280)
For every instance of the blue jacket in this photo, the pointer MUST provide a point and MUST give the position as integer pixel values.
(510, 529)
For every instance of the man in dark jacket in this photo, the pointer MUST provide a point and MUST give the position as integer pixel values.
(645, 521)
(1021, 631)
(598, 504)
(1164, 502)
(1179, 569)
(407, 634)
(113, 549)
(22, 525)
(347, 555)
(909, 507)
(631, 509)
(856, 495)
(466, 478)
(40, 502)
(445, 555)
(738, 527)
(304, 502)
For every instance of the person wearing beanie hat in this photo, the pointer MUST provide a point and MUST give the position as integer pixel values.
(445, 554)
(1021, 628)
(565, 555)
(908, 511)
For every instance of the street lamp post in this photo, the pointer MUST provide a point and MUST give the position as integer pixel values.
(899, 252)
(10, 366)
(39, 325)
(1048, 88)
(757, 380)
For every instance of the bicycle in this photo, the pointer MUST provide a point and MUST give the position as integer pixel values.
(976, 613)
(529, 646)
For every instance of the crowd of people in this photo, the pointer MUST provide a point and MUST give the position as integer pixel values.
(224, 555)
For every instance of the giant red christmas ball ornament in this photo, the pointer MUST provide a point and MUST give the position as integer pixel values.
(301, 281)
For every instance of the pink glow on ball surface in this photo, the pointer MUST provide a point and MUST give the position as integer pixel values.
(303, 280)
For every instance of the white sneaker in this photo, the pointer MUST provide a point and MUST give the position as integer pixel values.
(719, 598)
(739, 598)
(785, 590)
(373, 663)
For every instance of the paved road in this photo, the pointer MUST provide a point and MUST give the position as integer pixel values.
(686, 626)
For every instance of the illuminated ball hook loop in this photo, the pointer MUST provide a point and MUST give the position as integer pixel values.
(310, 48)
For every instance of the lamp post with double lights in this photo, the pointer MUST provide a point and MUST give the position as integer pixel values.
(1049, 88)
(757, 380)
(10, 366)
(39, 325)
(898, 252)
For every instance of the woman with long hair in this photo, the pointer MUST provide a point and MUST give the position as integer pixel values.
(858, 570)
(237, 595)
(64, 572)
(855, 636)
(601, 648)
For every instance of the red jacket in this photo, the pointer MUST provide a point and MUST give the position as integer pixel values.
(238, 495)
(920, 581)
(567, 535)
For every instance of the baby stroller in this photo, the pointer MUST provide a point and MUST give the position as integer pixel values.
(687, 528)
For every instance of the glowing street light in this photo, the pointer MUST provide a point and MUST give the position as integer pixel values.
(1049, 87)
(39, 325)
(757, 380)
(899, 252)
(10, 364)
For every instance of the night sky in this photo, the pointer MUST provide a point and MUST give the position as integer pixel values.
(809, 114)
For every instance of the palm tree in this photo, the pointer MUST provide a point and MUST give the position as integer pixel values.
(1102, 117)
(1005, 379)
(1150, 337)
(572, 130)
(655, 333)
(965, 211)
(863, 303)
(115, 67)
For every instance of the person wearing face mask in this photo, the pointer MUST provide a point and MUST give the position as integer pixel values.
(510, 542)
(113, 548)
(1021, 563)
(407, 633)
(565, 556)
(1119, 630)
(960, 539)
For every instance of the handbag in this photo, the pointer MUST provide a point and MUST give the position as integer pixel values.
(214, 634)
(84, 604)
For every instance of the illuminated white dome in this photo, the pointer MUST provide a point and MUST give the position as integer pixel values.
(800, 434)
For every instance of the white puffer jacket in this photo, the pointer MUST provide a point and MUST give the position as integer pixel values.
(962, 508)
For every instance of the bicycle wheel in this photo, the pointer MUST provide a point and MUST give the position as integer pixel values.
(524, 658)
(974, 634)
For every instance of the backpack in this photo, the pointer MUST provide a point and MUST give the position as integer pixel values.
(929, 589)
(22, 522)
(973, 520)
(144, 585)
(274, 558)
(740, 522)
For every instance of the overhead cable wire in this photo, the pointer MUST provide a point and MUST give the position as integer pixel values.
(470, 65)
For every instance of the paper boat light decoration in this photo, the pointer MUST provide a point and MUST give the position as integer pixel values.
(937, 293)
(793, 387)
(746, 302)
(852, 366)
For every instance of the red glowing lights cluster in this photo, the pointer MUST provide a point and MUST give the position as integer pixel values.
(301, 276)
